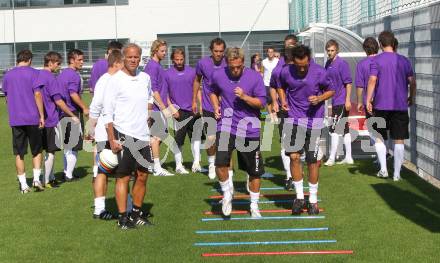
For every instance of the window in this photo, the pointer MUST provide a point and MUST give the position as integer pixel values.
(39, 49)
(194, 54)
(7, 4)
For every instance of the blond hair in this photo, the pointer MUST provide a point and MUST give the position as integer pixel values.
(235, 53)
(156, 45)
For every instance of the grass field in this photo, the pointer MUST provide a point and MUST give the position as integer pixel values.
(381, 221)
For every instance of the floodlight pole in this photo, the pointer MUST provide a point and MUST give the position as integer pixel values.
(13, 27)
(219, 19)
(255, 22)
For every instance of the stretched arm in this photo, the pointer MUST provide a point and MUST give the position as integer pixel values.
(348, 97)
(215, 104)
(78, 101)
(273, 95)
(360, 102)
(370, 91)
(282, 96)
(40, 106)
(196, 92)
(412, 90)
(62, 105)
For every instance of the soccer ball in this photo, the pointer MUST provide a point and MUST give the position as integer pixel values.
(107, 161)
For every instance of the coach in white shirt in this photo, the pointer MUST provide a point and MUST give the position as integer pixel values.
(126, 113)
(269, 64)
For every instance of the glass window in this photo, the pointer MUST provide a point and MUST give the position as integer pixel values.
(5, 3)
(194, 54)
(39, 49)
(21, 46)
(21, 3)
(80, 2)
(84, 47)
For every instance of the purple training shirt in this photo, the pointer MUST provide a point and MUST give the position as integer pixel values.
(70, 83)
(340, 74)
(99, 68)
(205, 67)
(238, 117)
(51, 92)
(180, 86)
(298, 90)
(392, 71)
(157, 76)
(362, 75)
(19, 89)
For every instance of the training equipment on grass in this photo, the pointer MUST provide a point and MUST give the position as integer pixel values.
(262, 218)
(288, 242)
(263, 195)
(261, 189)
(244, 212)
(279, 253)
(261, 230)
(245, 202)
(107, 161)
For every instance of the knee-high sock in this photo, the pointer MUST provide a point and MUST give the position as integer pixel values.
(399, 152)
(71, 158)
(255, 197)
(195, 149)
(313, 190)
(286, 163)
(48, 167)
(347, 144)
(381, 151)
(178, 156)
(334, 146)
(299, 189)
(99, 205)
(231, 182)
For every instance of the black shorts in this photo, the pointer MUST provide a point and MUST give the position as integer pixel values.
(136, 155)
(300, 139)
(209, 123)
(24, 135)
(158, 125)
(268, 97)
(281, 114)
(187, 124)
(397, 122)
(72, 133)
(250, 160)
(340, 123)
(51, 139)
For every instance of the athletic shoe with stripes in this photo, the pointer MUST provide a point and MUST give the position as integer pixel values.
(181, 170)
(255, 211)
(24, 190)
(382, 174)
(227, 205)
(38, 186)
(313, 209)
(125, 223)
(140, 220)
(162, 172)
(104, 215)
(211, 172)
(298, 206)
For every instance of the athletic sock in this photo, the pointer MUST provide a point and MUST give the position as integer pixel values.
(286, 163)
(195, 149)
(37, 174)
(95, 171)
(334, 146)
(399, 152)
(299, 189)
(211, 159)
(231, 182)
(226, 188)
(22, 180)
(48, 167)
(255, 197)
(381, 151)
(157, 165)
(347, 143)
(313, 190)
(99, 205)
(135, 211)
(71, 158)
(178, 157)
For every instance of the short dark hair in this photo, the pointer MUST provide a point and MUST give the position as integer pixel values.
(52, 56)
(300, 52)
(386, 39)
(24, 55)
(291, 37)
(267, 49)
(288, 54)
(74, 53)
(217, 41)
(395, 44)
(370, 46)
(332, 43)
(114, 57)
(178, 51)
(114, 45)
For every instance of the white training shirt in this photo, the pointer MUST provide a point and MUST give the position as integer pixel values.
(97, 106)
(126, 104)
(268, 66)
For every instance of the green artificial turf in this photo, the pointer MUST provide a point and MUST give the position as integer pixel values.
(380, 220)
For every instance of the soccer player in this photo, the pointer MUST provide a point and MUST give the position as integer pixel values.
(340, 75)
(126, 111)
(100, 68)
(304, 88)
(387, 98)
(160, 93)
(70, 81)
(204, 69)
(275, 83)
(242, 95)
(53, 98)
(180, 80)
(269, 63)
(26, 117)
(115, 63)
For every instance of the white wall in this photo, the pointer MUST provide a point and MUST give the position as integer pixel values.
(141, 20)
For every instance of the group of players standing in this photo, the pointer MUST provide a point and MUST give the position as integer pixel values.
(218, 101)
